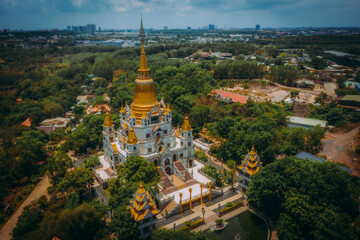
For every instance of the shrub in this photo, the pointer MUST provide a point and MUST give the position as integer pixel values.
(246, 86)
(229, 204)
(188, 223)
(233, 205)
(219, 222)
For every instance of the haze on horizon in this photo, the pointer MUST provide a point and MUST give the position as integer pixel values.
(125, 14)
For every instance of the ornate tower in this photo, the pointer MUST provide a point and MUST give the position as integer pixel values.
(145, 96)
(249, 167)
(108, 129)
(144, 211)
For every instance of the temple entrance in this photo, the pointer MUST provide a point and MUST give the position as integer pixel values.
(156, 162)
(167, 162)
(168, 170)
(190, 163)
(174, 158)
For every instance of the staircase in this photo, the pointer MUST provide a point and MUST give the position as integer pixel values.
(185, 173)
(168, 209)
(168, 186)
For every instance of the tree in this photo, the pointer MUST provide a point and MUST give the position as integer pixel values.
(91, 162)
(306, 199)
(294, 94)
(134, 170)
(58, 165)
(78, 180)
(318, 63)
(340, 80)
(124, 225)
(83, 222)
(53, 109)
(224, 125)
(28, 221)
(232, 165)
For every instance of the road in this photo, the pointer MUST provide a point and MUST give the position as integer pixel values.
(335, 147)
(39, 190)
(329, 88)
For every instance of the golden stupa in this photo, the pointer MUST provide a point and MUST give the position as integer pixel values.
(145, 96)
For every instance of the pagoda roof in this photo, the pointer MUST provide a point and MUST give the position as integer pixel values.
(251, 163)
(142, 206)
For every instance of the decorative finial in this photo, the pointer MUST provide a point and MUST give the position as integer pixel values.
(142, 32)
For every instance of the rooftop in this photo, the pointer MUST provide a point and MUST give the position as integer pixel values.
(351, 98)
(305, 155)
(307, 121)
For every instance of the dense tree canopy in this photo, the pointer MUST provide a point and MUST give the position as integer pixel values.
(307, 199)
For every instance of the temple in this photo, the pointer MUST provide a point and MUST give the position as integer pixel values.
(146, 130)
(144, 211)
(249, 167)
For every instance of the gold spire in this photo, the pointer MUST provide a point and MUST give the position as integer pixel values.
(167, 109)
(132, 139)
(141, 188)
(108, 122)
(122, 109)
(252, 152)
(186, 124)
(144, 116)
(145, 96)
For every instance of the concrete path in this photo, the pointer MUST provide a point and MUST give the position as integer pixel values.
(39, 190)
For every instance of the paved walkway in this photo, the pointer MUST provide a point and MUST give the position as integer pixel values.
(210, 215)
(39, 190)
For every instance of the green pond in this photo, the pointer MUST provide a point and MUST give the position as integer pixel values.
(247, 224)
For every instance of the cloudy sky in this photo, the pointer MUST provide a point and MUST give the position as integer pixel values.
(124, 14)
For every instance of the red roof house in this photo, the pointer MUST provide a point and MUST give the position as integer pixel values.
(229, 97)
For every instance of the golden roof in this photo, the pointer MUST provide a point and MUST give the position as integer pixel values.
(114, 147)
(145, 96)
(132, 139)
(144, 116)
(122, 109)
(186, 124)
(108, 122)
(251, 163)
(142, 205)
(178, 131)
(141, 189)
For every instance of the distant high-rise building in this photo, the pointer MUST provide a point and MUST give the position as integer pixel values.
(166, 28)
(99, 29)
(257, 27)
(68, 28)
(91, 28)
(188, 28)
(211, 26)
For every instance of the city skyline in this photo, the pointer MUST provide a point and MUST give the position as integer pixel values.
(36, 14)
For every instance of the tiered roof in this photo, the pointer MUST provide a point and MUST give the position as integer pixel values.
(251, 163)
(142, 206)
